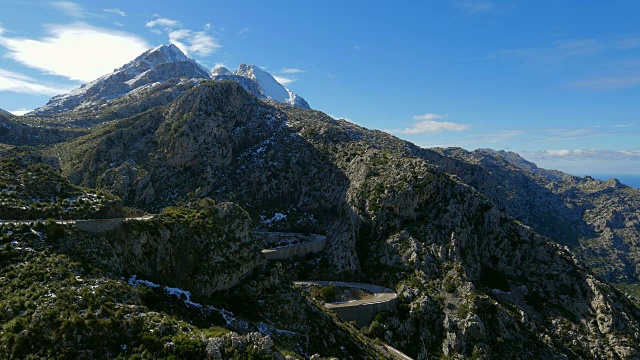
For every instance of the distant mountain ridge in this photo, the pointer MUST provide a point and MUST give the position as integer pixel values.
(157, 66)
(4, 112)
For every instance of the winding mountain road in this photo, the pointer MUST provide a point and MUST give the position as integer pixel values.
(70, 222)
(380, 294)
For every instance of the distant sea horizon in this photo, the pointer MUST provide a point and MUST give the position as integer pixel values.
(632, 180)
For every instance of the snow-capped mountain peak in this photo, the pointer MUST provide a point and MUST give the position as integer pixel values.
(154, 65)
(156, 56)
(269, 86)
(221, 71)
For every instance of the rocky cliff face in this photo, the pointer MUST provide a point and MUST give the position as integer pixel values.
(205, 251)
(596, 219)
(474, 281)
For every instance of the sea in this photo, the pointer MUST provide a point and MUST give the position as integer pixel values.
(632, 180)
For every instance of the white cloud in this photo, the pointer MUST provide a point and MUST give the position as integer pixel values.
(495, 137)
(558, 52)
(196, 42)
(283, 80)
(428, 117)
(69, 8)
(14, 82)
(163, 22)
(243, 32)
(584, 154)
(291, 71)
(624, 125)
(606, 83)
(561, 134)
(115, 11)
(20, 112)
(427, 124)
(77, 51)
(476, 6)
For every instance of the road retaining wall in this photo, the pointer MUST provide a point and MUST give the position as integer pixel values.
(314, 245)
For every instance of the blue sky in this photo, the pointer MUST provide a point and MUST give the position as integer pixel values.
(556, 81)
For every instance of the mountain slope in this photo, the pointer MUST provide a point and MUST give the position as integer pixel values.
(4, 112)
(68, 294)
(474, 282)
(23, 131)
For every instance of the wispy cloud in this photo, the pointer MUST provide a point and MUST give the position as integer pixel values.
(584, 154)
(605, 83)
(562, 50)
(624, 125)
(194, 42)
(628, 43)
(429, 124)
(14, 82)
(283, 80)
(565, 134)
(291, 71)
(164, 23)
(475, 6)
(115, 11)
(494, 137)
(199, 43)
(559, 51)
(244, 31)
(76, 51)
(69, 8)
